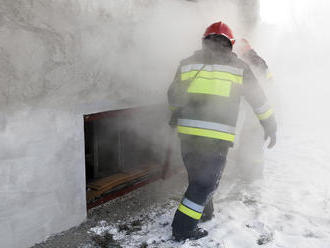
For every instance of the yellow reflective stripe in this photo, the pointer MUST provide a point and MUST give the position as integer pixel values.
(206, 133)
(262, 109)
(211, 87)
(221, 75)
(265, 115)
(213, 75)
(206, 125)
(188, 75)
(191, 213)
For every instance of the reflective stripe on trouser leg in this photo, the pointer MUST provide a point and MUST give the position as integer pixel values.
(191, 209)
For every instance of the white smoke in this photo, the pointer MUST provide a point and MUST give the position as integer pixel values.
(62, 59)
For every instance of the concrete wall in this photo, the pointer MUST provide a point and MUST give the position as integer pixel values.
(65, 58)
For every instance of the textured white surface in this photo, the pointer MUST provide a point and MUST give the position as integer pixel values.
(62, 59)
(58, 61)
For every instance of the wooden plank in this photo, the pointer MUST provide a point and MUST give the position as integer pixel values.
(117, 179)
(121, 192)
(103, 185)
(123, 179)
(100, 183)
(92, 194)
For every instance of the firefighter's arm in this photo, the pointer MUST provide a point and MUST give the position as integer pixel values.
(254, 59)
(172, 92)
(255, 96)
(174, 96)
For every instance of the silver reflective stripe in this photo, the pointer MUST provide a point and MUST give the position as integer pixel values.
(192, 205)
(220, 68)
(262, 109)
(206, 125)
(224, 68)
(192, 67)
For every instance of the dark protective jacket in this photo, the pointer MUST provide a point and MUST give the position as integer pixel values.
(205, 95)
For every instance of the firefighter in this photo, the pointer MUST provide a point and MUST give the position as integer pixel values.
(252, 58)
(205, 97)
(250, 152)
(249, 164)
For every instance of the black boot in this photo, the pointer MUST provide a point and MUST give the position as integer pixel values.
(208, 212)
(197, 233)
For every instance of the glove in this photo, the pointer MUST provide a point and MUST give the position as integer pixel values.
(270, 128)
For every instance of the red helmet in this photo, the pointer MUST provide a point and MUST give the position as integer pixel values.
(220, 28)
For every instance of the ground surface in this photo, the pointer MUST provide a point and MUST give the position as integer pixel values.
(289, 208)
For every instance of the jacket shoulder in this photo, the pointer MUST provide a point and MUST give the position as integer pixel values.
(197, 57)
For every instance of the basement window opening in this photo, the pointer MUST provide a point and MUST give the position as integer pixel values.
(124, 150)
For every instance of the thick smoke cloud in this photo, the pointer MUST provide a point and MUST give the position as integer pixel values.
(62, 59)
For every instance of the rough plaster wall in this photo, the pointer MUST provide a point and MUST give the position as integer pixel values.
(60, 60)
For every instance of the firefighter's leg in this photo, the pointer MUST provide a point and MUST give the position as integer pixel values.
(204, 171)
(251, 154)
(208, 212)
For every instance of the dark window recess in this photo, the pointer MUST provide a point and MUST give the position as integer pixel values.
(124, 149)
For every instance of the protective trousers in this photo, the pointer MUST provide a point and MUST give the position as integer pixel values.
(249, 164)
(204, 164)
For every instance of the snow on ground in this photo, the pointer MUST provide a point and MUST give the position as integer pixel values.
(289, 208)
